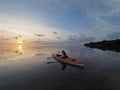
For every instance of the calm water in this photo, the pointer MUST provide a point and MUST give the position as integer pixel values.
(32, 68)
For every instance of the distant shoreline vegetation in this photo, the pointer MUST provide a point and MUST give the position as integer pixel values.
(112, 45)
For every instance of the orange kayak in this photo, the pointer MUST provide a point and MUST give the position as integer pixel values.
(68, 60)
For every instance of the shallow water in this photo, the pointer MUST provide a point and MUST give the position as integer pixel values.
(33, 68)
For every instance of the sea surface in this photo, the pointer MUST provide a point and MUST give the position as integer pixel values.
(25, 67)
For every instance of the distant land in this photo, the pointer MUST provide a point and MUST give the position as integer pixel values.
(113, 45)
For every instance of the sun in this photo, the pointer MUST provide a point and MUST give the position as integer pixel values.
(20, 42)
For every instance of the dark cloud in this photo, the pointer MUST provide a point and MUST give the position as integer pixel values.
(20, 36)
(73, 37)
(87, 39)
(81, 38)
(4, 38)
(39, 35)
(16, 38)
(55, 33)
(58, 37)
(114, 35)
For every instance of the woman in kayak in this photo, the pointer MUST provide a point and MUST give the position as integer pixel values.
(64, 54)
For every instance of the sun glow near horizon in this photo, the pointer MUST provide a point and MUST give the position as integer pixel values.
(20, 42)
(28, 30)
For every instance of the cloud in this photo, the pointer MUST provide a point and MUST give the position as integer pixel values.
(114, 7)
(55, 33)
(16, 38)
(103, 12)
(114, 35)
(34, 17)
(58, 37)
(64, 5)
(39, 35)
(80, 38)
(104, 8)
(26, 26)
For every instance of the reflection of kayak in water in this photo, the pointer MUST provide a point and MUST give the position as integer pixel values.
(68, 60)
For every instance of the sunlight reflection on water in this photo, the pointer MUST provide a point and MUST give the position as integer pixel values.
(28, 64)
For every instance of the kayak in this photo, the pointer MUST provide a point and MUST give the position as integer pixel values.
(67, 60)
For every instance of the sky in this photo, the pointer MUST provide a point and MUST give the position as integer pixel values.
(60, 20)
